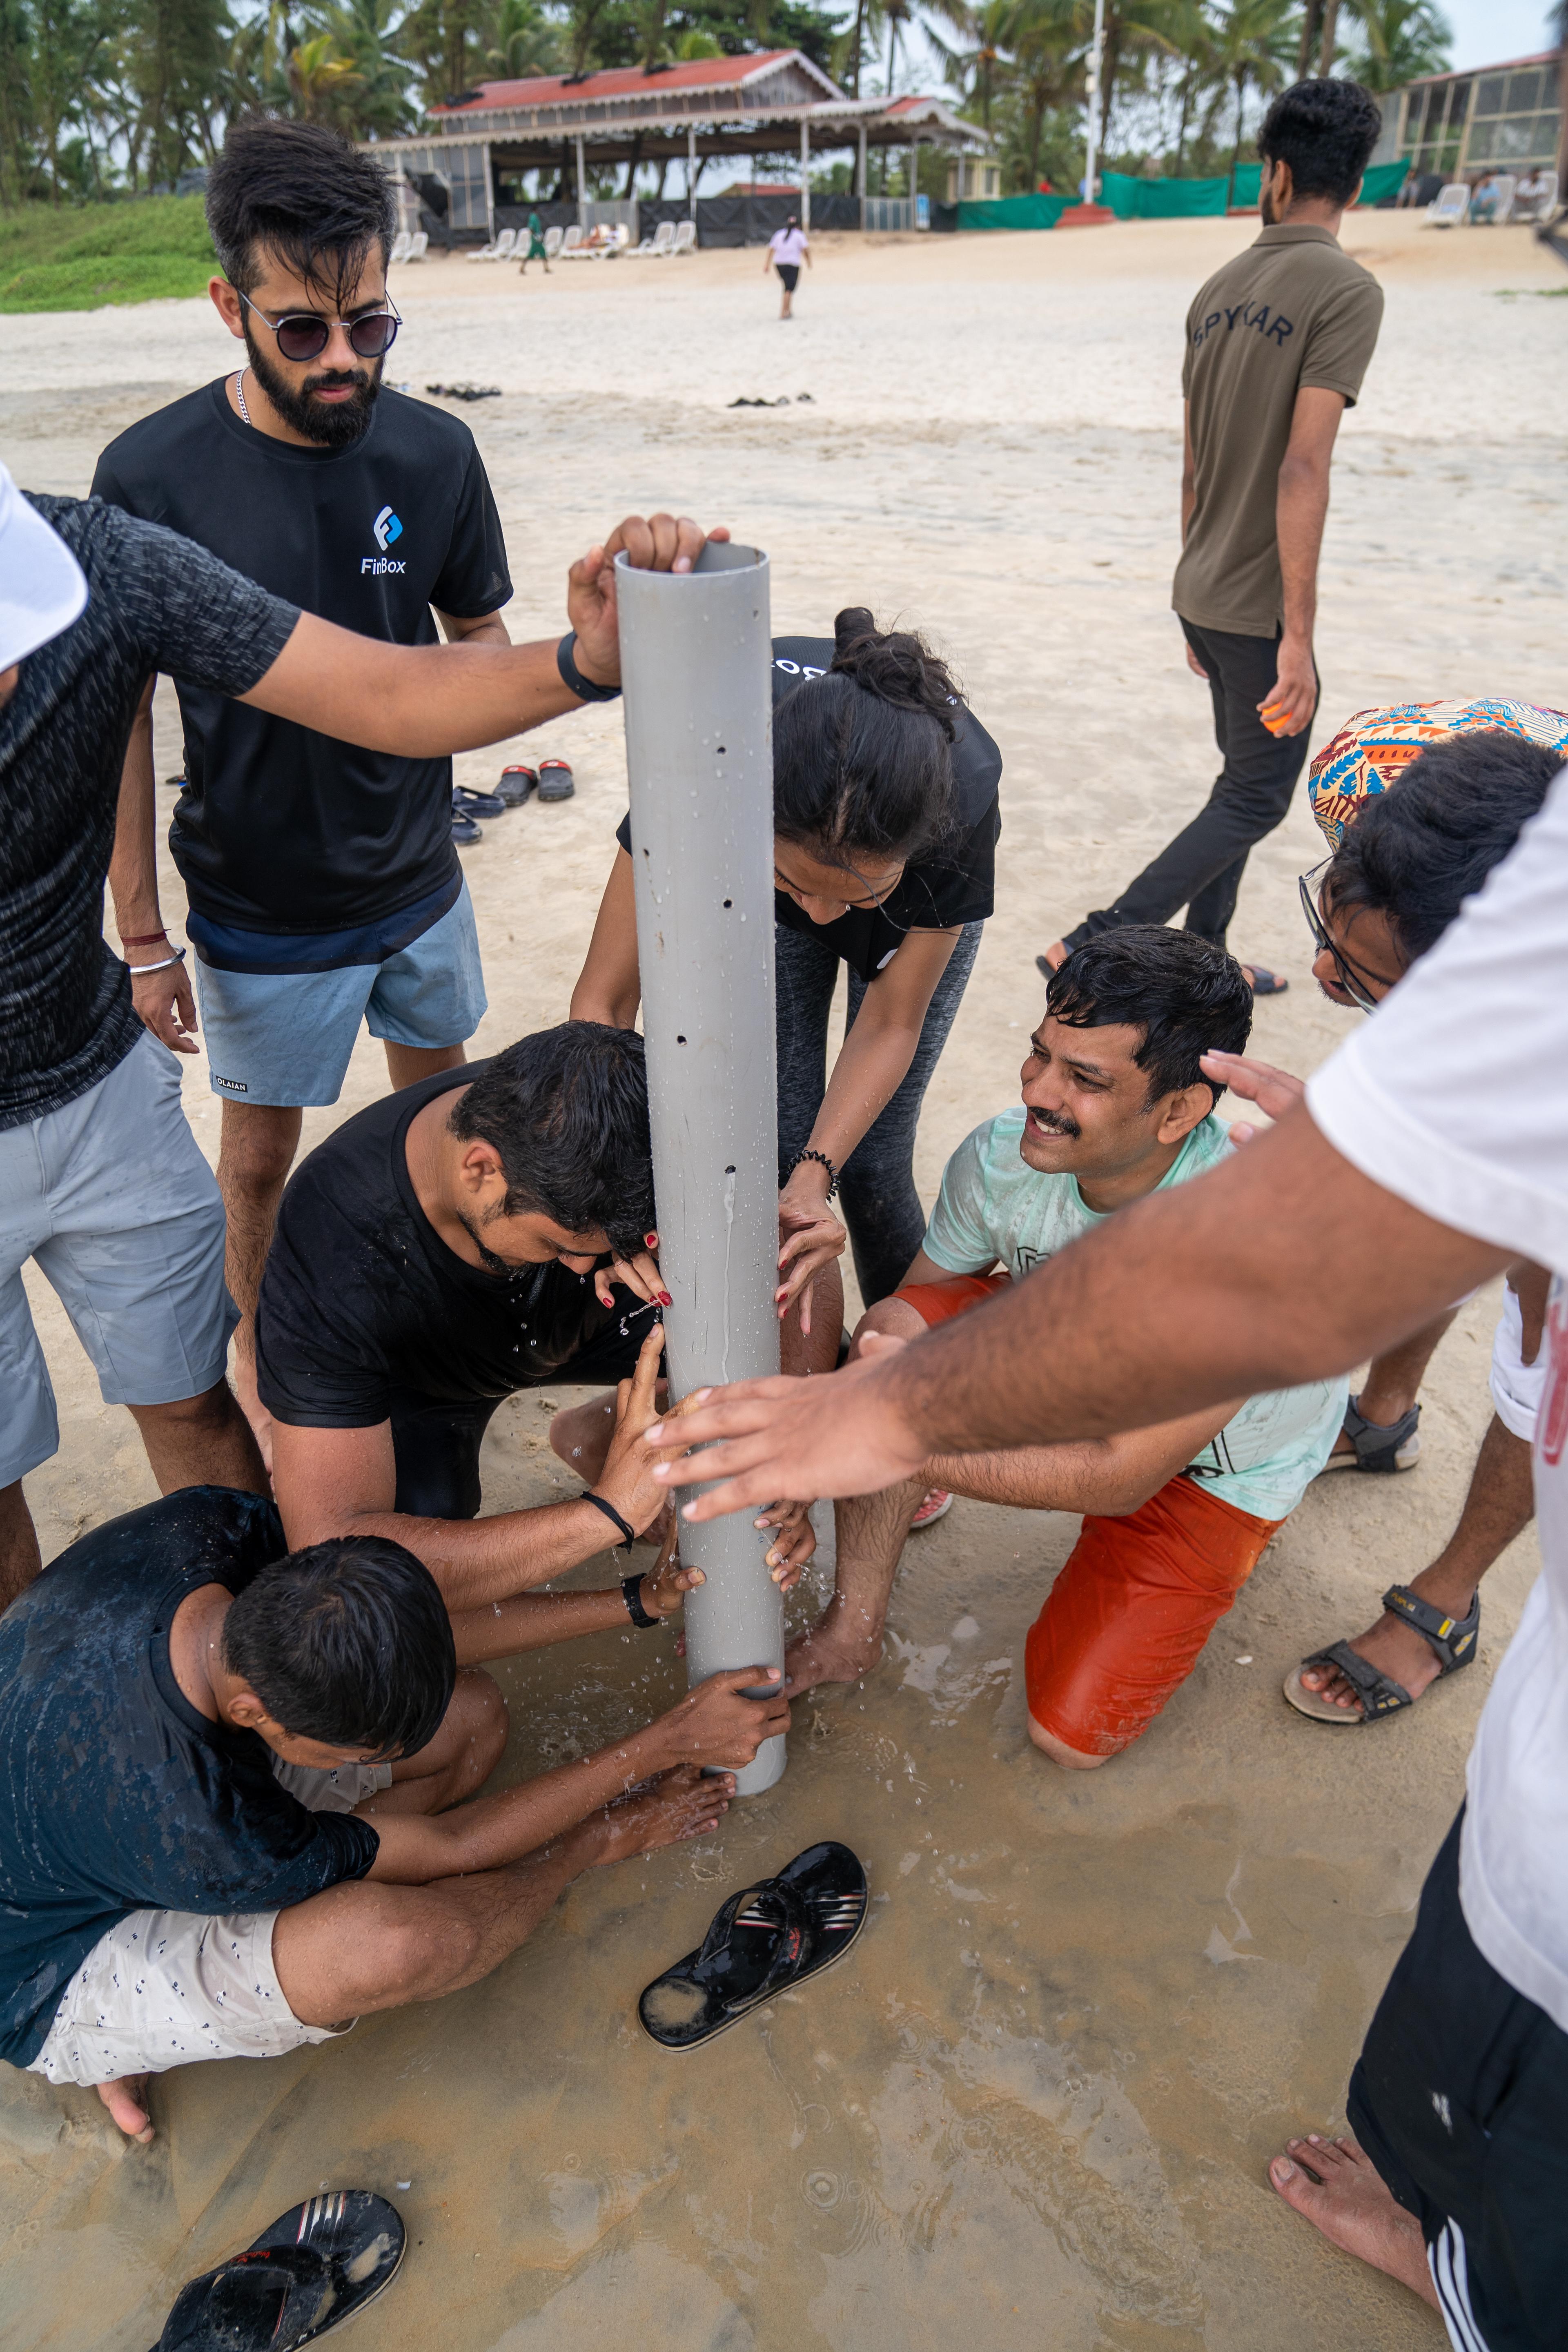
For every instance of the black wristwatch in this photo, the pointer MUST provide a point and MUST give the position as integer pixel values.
(631, 1593)
(572, 679)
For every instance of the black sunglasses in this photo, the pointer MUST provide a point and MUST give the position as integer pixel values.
(1356, 985)
(305, 334)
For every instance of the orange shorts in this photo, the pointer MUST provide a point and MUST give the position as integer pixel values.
(1139, 1597)
(937, 1302)
(1128, 1615)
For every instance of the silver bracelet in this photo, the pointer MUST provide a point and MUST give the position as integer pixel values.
(136, 968)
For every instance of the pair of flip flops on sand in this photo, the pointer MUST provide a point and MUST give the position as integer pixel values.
(551, 780)
(326, 2260)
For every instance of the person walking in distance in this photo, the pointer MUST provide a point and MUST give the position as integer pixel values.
(1277, 345)
(788, 247)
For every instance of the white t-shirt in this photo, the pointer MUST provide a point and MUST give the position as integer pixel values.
(787, 245)
(994, 1205)
(1455, 1097)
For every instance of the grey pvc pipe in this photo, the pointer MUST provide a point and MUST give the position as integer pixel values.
(695, 657)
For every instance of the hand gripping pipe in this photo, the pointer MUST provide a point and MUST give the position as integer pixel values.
(695, 656)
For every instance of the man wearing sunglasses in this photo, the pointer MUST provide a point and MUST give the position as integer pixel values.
(323, 885)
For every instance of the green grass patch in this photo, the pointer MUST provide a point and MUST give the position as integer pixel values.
(78, 257)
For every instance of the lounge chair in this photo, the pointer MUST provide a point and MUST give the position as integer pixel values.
(483, 253)
(505, 245)
(571, 243)
(1452, 206)
(656, 245)
(400, 245)
(420, 244)
(1535, 198)
(552, 237)
(685, 237)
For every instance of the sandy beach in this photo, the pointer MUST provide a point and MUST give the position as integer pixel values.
(1038, 2104)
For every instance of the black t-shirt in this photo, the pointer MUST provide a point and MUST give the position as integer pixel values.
(363, 1305)
(115, 1794)
(279, 828)
(952, 882)
(154, 602)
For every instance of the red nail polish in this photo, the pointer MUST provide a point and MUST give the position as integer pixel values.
(665, 1299)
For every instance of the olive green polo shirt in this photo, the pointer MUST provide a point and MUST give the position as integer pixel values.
(1290, 314)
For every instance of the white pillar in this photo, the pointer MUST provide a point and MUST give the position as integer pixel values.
(695, 656)
(805, 173)
(862, 128)
(1095, 64)
(692, 170)
(581, 184)
(914, 181)
(490, 194)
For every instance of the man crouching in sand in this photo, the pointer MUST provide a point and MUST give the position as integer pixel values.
(1116, 1105)
(223, 1776)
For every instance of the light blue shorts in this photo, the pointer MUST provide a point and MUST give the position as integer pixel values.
(112, 1200)
(285, 1037)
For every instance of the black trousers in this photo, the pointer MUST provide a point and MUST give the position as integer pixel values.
(1201, 869)
(877, 1194)
(1460, 2098)
(435, 1442)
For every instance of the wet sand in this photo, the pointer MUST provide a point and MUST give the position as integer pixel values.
(1038, 2100)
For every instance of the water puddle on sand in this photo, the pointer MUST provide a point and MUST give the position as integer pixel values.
(1031, 2108)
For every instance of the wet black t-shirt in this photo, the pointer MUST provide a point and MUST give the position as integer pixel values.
(952, 882)
(363, 1305)
(116, 1795)
(280, 828)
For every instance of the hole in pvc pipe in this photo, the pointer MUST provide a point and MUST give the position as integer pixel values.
(680, 1041)
(728, 902)
(720, 749)
(731, 1170)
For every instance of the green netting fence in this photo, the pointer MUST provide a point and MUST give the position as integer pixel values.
(1013, 211)
(1138, 199)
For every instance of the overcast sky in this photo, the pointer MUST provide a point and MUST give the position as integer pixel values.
(1486, 32)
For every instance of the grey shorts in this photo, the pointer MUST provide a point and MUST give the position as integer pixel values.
(112, 1200)
(162, 1988)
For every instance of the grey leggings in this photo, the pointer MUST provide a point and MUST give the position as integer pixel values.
(876, 1184)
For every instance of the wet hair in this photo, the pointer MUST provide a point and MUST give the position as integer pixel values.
(1417, 851)
(1186, 995)
(567, 1111)
(1324, 130)
(863, 755)
(348, 1641)
(299, 190)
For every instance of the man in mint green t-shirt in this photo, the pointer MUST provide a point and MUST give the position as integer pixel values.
(1115, 1105)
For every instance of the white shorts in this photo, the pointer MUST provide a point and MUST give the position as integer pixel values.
(1517, 1387)
(164, 1988)
(112, 1200)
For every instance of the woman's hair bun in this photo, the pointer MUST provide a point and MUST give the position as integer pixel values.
(896, 666)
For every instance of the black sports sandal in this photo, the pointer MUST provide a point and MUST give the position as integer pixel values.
(1453, 1638)
(468, 803)
(308, 2272)
(515, 785)
(1383, 1447)
(764, 1940)
(555, 781)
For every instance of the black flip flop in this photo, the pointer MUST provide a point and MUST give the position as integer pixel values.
(1266, 983)
(472, 804)
(764, 1940)
(464, 832)
(515, 785)
(555, 781)
(318, 2266)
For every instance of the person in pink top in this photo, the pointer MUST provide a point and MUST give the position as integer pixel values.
(787, 248)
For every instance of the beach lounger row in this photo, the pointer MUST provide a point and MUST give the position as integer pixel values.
(408, 244)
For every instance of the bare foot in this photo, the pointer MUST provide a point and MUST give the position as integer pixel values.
(828, 1652)
(127, 2103)
(682, 1804)
(1334, 2184)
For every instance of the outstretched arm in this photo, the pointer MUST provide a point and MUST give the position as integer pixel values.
(425, 701)
(1283, 1266)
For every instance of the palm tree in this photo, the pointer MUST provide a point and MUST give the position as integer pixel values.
(375, 103)
(1401, 41)
(1049, 64)
(320, 78)
(987, 29)
(521, 41)
(1253, 45)
(1131, 29)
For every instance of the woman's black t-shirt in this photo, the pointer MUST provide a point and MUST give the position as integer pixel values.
(952, 882)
